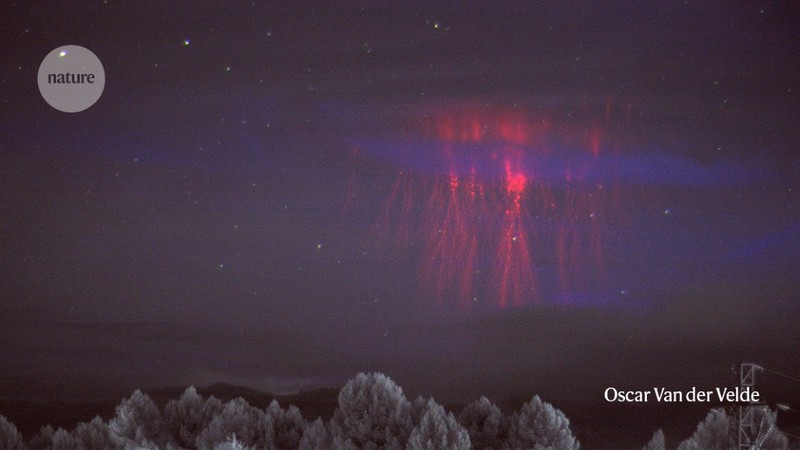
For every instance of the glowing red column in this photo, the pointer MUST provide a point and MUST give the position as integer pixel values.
(514, 274)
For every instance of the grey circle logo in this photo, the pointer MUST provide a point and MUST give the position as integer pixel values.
(71, 78)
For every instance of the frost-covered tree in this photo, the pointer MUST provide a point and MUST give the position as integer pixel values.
(287, 424)
(539, 425)
(188, 415)
(438, 430)
(656, 442)
(485, 423)
(10, 437)
(315, 437)
(137, 422)
(373, 413)
(250, 425)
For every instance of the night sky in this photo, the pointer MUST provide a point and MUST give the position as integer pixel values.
(473, 199)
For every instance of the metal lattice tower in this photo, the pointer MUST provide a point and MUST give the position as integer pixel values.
(750, 434)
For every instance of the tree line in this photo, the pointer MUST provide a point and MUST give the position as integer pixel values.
(372, 413)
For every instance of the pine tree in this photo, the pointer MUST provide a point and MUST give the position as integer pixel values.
(237, 417)
(713, 433)
(438, 430)
(43, 440)
(539, 424)
(232, 444)
(10, 437)
(188, 415)
(418, 408)
(137, 422)
(656, 442)
(93, 434)
(315, 437)
(288, 426)
(63, 440)
(485, 423)
(373, 413)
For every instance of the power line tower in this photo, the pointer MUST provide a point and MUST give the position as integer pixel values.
(747, 429)
(754, 421)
